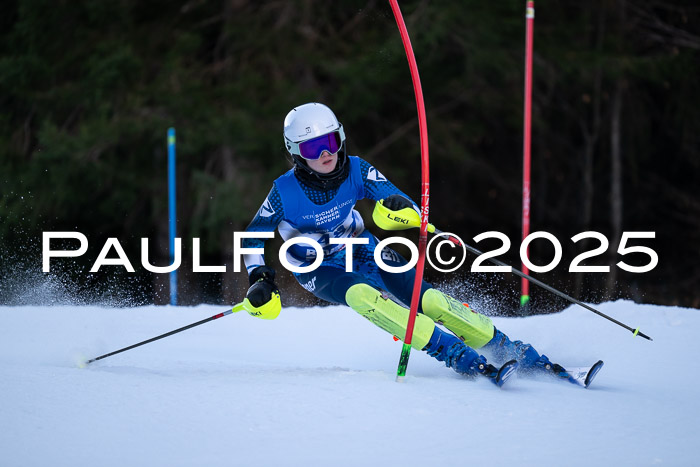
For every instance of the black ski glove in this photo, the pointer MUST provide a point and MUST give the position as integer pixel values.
(262, 286)
(397, 203)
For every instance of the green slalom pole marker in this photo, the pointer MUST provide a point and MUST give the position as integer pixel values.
(524, 300)
(403, 362)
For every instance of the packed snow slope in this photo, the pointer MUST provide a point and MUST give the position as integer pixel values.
(316, 387)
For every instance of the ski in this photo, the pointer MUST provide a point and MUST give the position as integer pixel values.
(580, 376)
(498, 376)
(505, 373)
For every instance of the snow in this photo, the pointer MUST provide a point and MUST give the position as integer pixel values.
(316, 387)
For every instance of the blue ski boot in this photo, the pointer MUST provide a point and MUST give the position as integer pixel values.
(502, 349)
(463, 359)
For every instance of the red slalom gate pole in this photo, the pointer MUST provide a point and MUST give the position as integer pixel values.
(425, 191)
(530, 20)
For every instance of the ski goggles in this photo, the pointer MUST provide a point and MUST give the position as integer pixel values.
(313, 148)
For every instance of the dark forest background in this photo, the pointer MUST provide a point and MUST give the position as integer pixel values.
(88, 89)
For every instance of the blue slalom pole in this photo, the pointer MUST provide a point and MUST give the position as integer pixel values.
(172, 212)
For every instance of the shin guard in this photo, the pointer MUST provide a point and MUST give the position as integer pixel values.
(388, 315)
(474, 329)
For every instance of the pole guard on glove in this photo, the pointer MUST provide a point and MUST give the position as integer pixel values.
(397, 213)
(263, 297)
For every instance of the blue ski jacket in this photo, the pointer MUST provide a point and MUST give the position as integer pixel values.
(296, 209)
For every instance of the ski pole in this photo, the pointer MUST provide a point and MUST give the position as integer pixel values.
(238, 307)
(408, 218)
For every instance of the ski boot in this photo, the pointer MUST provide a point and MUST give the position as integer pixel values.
(463, 359)
(531, 362)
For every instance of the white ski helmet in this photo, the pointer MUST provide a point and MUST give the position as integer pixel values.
(309, 121)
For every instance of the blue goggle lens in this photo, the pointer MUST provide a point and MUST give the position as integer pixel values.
(313, 148)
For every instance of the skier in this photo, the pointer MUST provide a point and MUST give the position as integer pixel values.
(316, 199)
